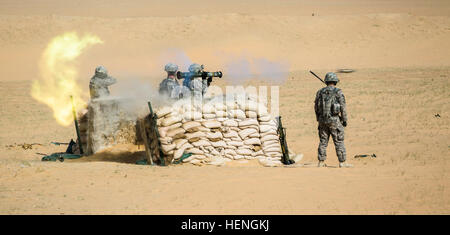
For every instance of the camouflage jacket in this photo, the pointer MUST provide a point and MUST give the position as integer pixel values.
(341, 112)
(198, 87)
(98, 86)
(167, 86)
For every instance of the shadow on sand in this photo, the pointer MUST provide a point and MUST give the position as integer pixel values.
(128, 157)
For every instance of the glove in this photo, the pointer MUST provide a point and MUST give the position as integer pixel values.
(203, 75)
(344, 124)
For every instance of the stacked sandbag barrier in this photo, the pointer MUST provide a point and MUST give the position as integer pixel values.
(216, 132)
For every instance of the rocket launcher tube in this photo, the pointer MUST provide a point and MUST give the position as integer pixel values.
(204, 75)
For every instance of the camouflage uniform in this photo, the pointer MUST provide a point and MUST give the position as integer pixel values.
(198, 86)
(98, 86)
(168, 86)
(333, 123)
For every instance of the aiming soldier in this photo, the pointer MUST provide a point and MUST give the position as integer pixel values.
(197, 85)
(331, 114)
(98, 86)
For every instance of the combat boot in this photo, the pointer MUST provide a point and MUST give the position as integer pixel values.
(321, 164)
(345, 165)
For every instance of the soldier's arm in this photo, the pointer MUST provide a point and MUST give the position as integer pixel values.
(196, 88)
(171, 85)
(316, 105)
(343, 106)
(106, 81)
(204, 86)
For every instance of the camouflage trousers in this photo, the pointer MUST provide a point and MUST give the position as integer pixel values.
(336, 130)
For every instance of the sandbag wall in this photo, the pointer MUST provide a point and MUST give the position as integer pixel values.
(217, 131)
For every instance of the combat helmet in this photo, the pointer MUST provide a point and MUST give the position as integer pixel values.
(331, 77)
(195, 68)
(171, 68)
(101, 72)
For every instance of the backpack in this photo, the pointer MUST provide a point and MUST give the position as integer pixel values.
(328, 105)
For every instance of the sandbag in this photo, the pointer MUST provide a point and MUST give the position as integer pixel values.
(219, 144)
(265, 118)
(175, 132)
(211, 124)
(251, 106)
(196, 135)
(269, 123)
(248, 122)
(274, 145)
(235, 143)
(230, 134)
(167, 147)
(237, 114)
(179, 142)
(244, 151)
(266, 128)
(221, 114)
(270, 142)
(244, 133)
(194, 151)
(191, 115)
(163, 131)
(170, 120)
(230, 152)
(269, 137)
(214, 136)
(252, 141)
(231, 105)
(229, 146)
(191, 124)
(272, 149)
(201, 143)
(271, 132)
(163, 111)
(254, 135)
(199, 156)
(238, 157)
(164, 140)
(251, 114)
(209, 115)
(252, 126)
(179, 152)
(230, 123)
(238, 139)
(174, 126)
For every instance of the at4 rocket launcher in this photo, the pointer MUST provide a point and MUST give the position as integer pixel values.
(202, 74)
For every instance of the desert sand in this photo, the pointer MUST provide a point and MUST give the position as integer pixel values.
(398, 103)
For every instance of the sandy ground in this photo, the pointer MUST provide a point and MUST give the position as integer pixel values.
(400, 52)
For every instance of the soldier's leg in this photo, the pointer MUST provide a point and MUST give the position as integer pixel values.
(324, 136)
(337, 133)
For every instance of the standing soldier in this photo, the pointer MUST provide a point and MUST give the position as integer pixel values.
(98, 86)
(331, 114)
(168, 85)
